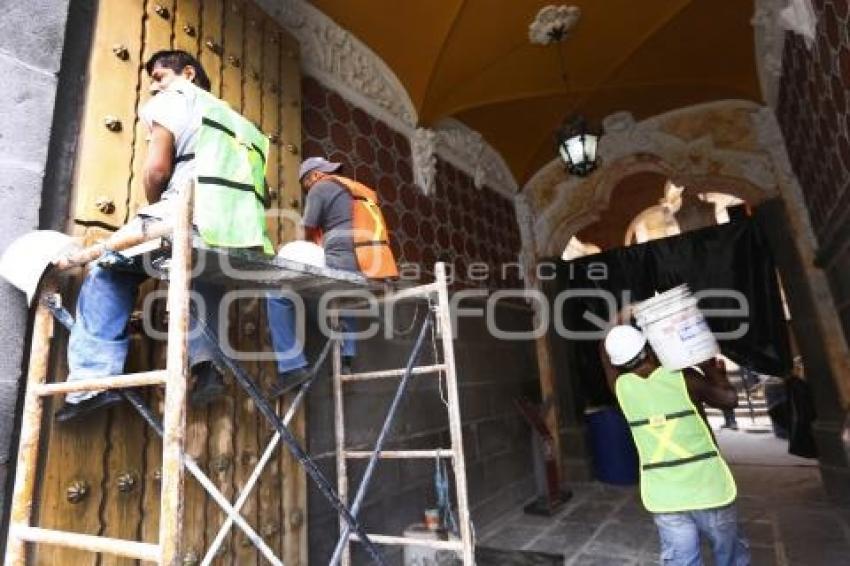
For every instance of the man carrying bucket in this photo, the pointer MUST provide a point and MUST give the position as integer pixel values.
(684, 481)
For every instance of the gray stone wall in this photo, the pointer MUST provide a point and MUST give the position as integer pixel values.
(31, 40)
(497, 442)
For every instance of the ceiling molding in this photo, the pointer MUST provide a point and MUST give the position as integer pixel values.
(340, 61)
(769, 42)
(343, 63)
(465, 149)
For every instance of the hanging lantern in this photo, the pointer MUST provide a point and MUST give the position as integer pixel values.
(577, 146)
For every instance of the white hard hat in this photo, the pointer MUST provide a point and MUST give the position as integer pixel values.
(303, 252)
(623, 343)
(24, 262)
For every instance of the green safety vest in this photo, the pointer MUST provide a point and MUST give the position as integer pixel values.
(681, 468)
(230, 168)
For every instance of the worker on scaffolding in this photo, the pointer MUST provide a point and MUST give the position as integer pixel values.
(193, 136)
(344, 217)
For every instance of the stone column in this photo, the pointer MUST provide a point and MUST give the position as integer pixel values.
(32, 36)
(546, 369)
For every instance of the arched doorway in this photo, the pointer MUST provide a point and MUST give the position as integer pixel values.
(731, 147)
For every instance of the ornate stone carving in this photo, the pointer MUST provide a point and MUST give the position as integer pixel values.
(552, 24)
(769, 42)
(423, 148)
(564, 204)
(466, 149)
(341, 61)
(799, 17)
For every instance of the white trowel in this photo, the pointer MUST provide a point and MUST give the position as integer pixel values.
(27, 258)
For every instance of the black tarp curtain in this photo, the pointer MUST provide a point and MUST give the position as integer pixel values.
(732, 256)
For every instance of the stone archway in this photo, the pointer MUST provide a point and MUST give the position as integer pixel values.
(728, 146)
(712, 145)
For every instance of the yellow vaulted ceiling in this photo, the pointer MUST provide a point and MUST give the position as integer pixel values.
(472, 60)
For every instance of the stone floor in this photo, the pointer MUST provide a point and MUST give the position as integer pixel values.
(785, 514)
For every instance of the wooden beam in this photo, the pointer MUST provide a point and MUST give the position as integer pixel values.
(129, 548)
(24, 490)
(177, 365)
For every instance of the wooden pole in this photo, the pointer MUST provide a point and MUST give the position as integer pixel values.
(24, 490)
(177, 362)
(91, 543)
(366, 376)
(121, 240)
(339, 430)
(455, 427)
(141, 379)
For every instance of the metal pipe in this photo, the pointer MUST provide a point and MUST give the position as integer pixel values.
(267, 454)
(266, 409)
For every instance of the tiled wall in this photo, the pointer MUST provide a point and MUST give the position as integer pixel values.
(814, 113)
(458, 224)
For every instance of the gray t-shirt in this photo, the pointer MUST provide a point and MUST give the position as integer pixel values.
(328, 207)
(176, 110)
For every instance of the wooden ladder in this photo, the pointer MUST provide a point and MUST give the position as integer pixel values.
(174, 377)
(437, 295)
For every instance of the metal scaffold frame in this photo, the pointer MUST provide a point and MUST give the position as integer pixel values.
(168, 550)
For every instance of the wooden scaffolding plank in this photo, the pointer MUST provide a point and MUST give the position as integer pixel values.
(188, 29)
(339, 434)
(455, 423)
(88, 543)
(177, 362)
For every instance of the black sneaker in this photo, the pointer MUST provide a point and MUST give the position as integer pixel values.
(346, 365)
(209, 385)
(71, 411)
(289, 380)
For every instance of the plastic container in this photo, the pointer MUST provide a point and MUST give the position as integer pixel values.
(420, 555)
(676, 328)
(614, 455)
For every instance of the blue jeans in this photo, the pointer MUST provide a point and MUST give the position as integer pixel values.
(680, 537)
(99, 342)
(288, 347)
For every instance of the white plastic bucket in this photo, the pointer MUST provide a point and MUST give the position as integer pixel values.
(676, 328)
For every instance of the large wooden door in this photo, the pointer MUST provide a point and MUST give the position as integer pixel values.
(101, 474)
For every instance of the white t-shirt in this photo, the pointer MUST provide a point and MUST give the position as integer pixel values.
(175, 110)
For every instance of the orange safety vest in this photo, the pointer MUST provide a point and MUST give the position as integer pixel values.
(371, 238)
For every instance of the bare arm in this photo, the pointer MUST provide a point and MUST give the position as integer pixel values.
(611, 373)
(313, 234)
(712, 388)
(159, 162)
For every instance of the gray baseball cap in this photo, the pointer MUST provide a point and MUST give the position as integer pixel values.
(317, 163)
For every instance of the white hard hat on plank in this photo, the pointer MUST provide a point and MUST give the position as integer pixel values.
(303, 252)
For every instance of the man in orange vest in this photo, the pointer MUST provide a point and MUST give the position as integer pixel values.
(344, 217)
